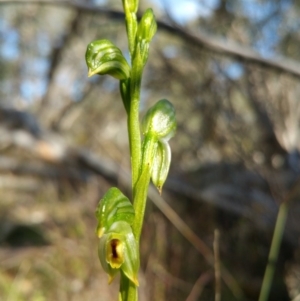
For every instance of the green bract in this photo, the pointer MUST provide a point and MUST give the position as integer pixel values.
(160, 121)
(103, 57)
(113, 207)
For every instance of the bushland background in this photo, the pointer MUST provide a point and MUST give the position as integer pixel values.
(231, 68)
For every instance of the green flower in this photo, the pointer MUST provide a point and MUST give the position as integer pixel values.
(103, 57)
(159, 125)
(118, 250)
(161, 164)
(160, 121)
(113, 207)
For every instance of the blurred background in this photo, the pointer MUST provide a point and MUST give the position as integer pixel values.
(231, 68)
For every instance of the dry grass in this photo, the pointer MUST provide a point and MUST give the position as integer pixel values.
(65, 269)
(67, 266)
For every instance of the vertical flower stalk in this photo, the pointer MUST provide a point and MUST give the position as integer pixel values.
(145, 32)
(119, 220)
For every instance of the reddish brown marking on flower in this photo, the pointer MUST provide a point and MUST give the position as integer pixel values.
(114, 245)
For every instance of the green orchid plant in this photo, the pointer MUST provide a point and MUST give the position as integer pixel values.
(120, 220)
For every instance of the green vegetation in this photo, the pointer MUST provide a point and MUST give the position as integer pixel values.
(120, 222)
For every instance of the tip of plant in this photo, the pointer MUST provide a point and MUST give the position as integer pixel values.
(110, 279)
(100, 232)
(90, 72)
(159, 188)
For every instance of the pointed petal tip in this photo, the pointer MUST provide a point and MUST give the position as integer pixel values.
(159, 188)
(90, 73)
(100, 232)
(110, 279)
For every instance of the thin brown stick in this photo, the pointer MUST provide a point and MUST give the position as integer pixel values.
(217, 265)
(193, 238)
(198, 286)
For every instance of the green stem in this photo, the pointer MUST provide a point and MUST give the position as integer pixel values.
(134, 135)
(141, 188)
(274, 251)
(140, 192)
(133, 120)
(128, 290)
(133, 94)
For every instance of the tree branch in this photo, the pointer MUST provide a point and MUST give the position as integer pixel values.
(55, 59)
(202, 40)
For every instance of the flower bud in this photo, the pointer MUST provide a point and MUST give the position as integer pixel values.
(159, 121)
(158, 126)
(103, 57)
(130, 5)
(113, 207)
(161, 164)
(145, 32)
(147, 27)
